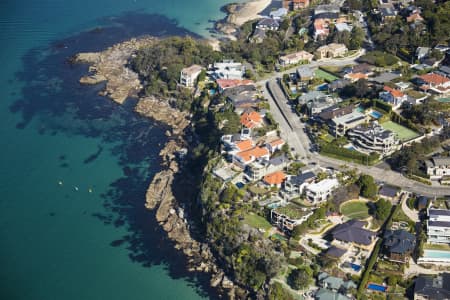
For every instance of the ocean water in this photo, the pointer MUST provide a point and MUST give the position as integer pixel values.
(74, 166)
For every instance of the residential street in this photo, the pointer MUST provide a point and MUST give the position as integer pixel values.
(293, 131)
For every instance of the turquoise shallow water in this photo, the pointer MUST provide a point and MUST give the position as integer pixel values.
(74, 166)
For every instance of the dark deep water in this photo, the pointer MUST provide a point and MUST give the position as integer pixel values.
(74, 170)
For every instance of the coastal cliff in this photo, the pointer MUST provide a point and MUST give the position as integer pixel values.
(121, 82)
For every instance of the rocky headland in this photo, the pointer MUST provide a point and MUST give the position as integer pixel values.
(111, 67)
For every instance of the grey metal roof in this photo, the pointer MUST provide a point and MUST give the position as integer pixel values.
(279, 160)
(305, 72)
(433, 287)
(439, 212)
(388, 191)
(438, 223)
(269, 22)
(399, 241)
(353, 232)
(336, 252)
(324, 294)
(441, 160)
(384, 77)
(445, 69)
(299, 179)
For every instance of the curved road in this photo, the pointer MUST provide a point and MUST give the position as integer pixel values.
(293, 131)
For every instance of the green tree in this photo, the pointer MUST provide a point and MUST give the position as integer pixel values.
(368, 186)
(277, 292)
(382, 209)
(300, 278)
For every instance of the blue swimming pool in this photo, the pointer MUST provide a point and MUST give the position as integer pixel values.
(375, 114)
(212, 92)
(436, 254)
(355, 267)
(377, 287)
(351, 148)
(240, 185)
(323, 87)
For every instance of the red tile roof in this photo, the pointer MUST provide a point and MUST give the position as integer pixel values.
(275, 178)
(256, 152)
(244, 145)
(276, 142)
(230, 83)
(435, 79)
(251, 119)
(395, 93)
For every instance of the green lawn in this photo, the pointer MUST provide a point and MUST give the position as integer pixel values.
(442, 247)
(325, 75)
(403, 133)
(355, 209)
(257, 222)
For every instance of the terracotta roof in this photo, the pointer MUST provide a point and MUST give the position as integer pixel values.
(230, 83)
(255, 152)
(395, 93)
(434, 78)
(275, 178)
(251, 119)
(244, 145)
(357, 76)
(276, 142)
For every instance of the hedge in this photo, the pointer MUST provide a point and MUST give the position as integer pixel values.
(347, 154)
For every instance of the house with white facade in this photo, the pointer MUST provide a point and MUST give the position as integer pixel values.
(320, 191)
(374, 138)
(258, 169)
(438, 167)
(289, 216)
(295, 58)
(341, 124)
(438, 226)
(227, 69)
(436, 83)
(189, 75)
(393, 96)
(294, 186)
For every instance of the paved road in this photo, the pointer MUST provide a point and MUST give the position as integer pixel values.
(293, 131)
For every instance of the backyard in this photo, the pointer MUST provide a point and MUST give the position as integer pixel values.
(257, 222)
(325, 75)
(403, 133)
(355, 209)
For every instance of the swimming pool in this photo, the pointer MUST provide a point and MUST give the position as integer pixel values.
(322, 87)
(435, 256)
(351, 148)
(377, 287)
(212, 92)
(375, 114)
(355, 267)
(240, 185)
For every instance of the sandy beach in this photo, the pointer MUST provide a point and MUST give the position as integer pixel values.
(247, 11)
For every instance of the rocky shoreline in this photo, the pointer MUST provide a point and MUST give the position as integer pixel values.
(111, 67)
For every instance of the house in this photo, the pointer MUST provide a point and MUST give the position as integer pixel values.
(385, 77)
(422, 52)
(275, 145)
(334, 112)
(294, 186)
(289, 216)
(444, 71)
(241, 145)
(402, 86)
(189, 75)
(363, 68)
(325, 294)
(279, 13)
(374, 138)
(438, 167)
(325, 11)
(388, 192)
(398, 245)
(320, 191)
(316, 101)
(341, 27)
(258, 169)
(438, 226)
(295, 58)
(353, 77)
(432, 287)
(387, 13)
(338, 85)
(341, 124)
(414, 17)
(251, 119)
(305, 74)
(321, 28)
(242, 97)
(334, 284)
(246, 157)
(331, 50)
(295, 4)
(335, 252)
(393, 96)
(224, 84)
(353, 232)
(274, 179)
(268, 24)
(227, 69)
(436, 83)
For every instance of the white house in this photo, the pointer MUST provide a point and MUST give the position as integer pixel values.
(189, 75)
(438, 167)
(393, 96)
(438, 226)
(374, 138)
(320, 191)
(228, 69)
(287, 217)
